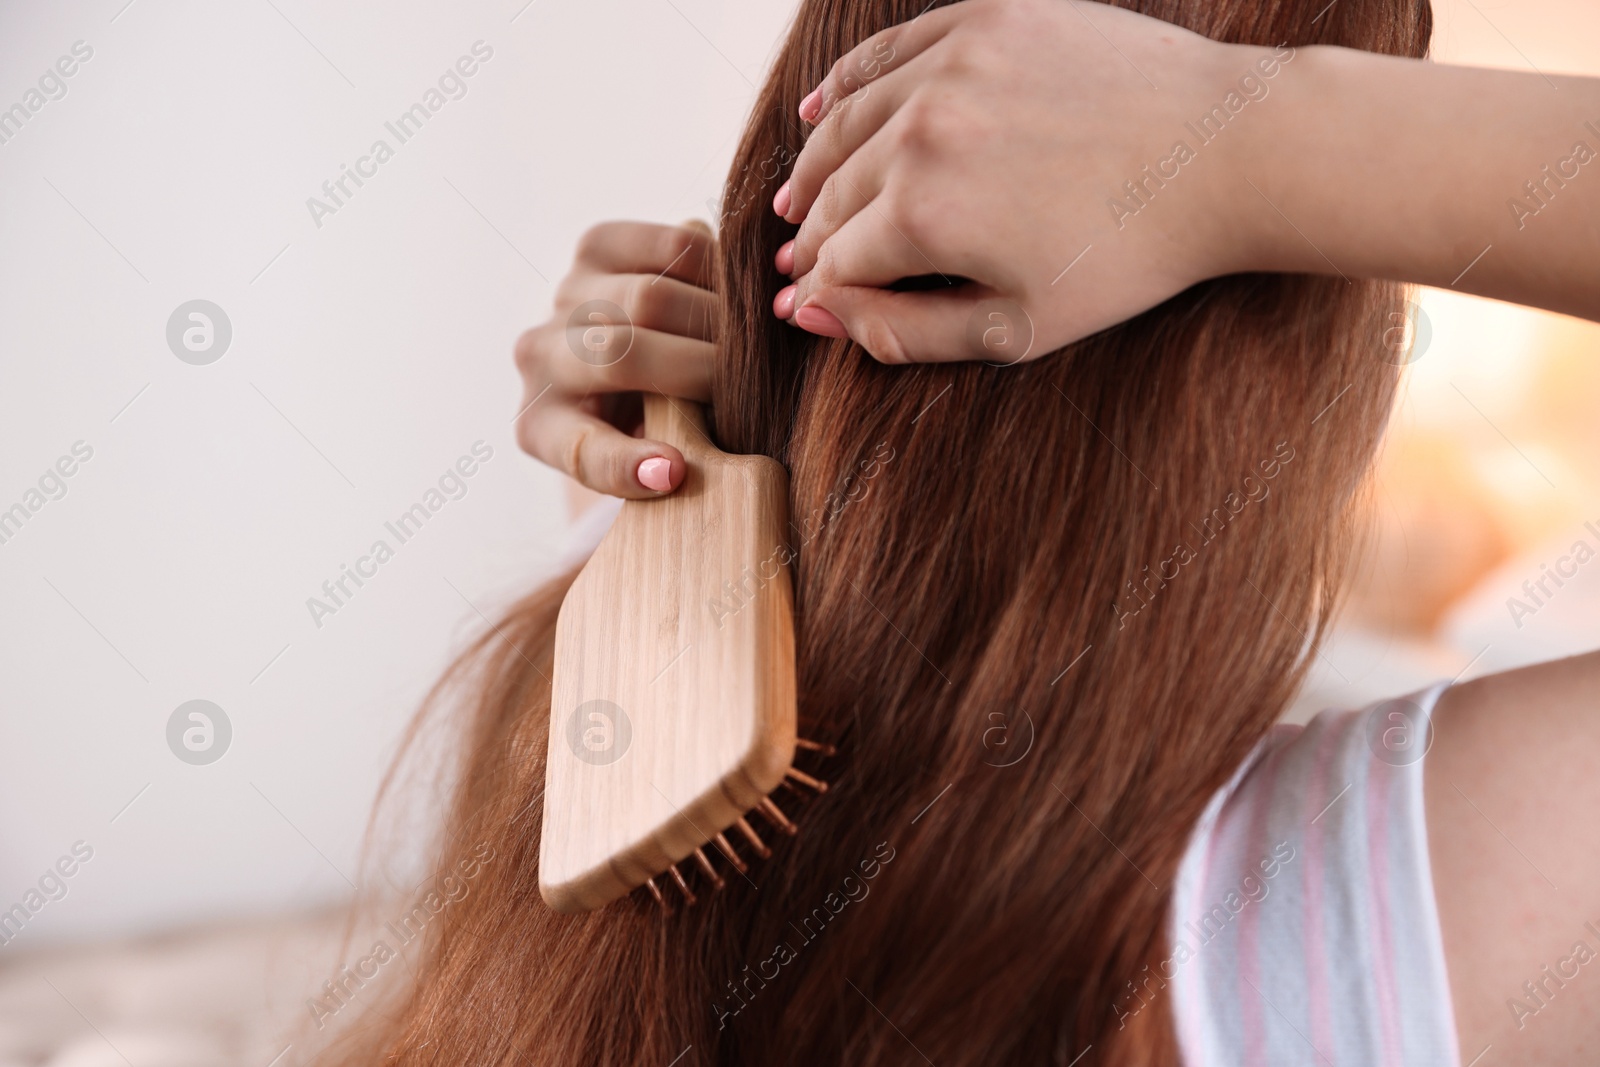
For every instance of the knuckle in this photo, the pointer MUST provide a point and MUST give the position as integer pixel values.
(528, 352)
(871, 57)
(998, 12)
(845, 77)
(880, 339)
(826, 207)
(827, 138)
(826, 270)
(959, 122)
(984, 53)
(882, 50)
(803, 290)
(805, 181)
(959, 59)
(987, 12)
(808, 244)
(937, 123)
(676, 244)
(526, 438)
(571, 290)
(573, 453)
(805, 253)
(852, 88)
(639, 301)
(918, 126)
(832, 81)
(593, 242)
(615, 467)
(563, 296)
(910, 217)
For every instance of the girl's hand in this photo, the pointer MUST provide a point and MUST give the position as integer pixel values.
(1028, 149)
(636, 313)
(1066, 165)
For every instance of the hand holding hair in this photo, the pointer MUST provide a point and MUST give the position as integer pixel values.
(1086, 163)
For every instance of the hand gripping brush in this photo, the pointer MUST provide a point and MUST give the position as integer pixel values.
(672, 714)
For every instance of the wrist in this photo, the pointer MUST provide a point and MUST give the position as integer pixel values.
(1277, 180)
(1252, 118)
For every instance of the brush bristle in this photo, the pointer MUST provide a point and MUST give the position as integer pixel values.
(769, 811)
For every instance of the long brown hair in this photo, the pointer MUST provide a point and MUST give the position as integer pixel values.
(1042, 610)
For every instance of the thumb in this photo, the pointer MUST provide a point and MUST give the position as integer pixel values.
(921, 327)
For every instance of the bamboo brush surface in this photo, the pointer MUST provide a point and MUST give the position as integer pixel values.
(673, 703)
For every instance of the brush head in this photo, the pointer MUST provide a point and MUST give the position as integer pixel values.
(673, 703)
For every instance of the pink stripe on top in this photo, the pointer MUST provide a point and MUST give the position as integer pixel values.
(1318, 995)
(1303, 927)
(1383, 947)
(1254, 843)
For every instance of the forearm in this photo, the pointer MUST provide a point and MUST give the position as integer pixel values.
(1486, 181)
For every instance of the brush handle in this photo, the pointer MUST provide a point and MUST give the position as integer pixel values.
(680, 423)
(680, 630)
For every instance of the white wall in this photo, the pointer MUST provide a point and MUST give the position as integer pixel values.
(367, 355)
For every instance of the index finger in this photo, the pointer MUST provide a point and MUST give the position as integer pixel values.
(686, 252)
(876, 56)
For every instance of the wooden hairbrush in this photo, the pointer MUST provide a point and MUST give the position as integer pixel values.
(672, 710)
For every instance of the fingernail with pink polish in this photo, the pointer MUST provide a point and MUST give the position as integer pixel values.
(811, 106)
(783, 303)
(784, 260)
(818, 320)
(780, 202)
(655, 474)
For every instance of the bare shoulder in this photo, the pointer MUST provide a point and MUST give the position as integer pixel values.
(1512, 793)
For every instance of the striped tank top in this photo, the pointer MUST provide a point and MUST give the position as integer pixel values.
(1303, 927)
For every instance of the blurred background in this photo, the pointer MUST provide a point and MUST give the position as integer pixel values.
(343, 363)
